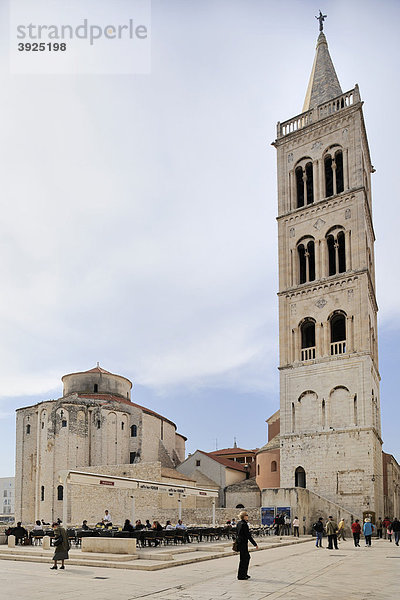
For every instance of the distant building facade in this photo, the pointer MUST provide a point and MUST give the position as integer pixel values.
(7, 498)
(94, 423)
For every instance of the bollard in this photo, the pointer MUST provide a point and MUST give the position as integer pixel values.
(46, 543)
(11, 541)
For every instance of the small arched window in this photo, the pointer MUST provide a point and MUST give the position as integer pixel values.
(42, 493)
(133, 431)
(338, 333)
(60, 492)
(274, 466)
(334, 175)
(300, 477)
(336, 252)
(304, 183)
(28, 429)
(306, 257)
(258, 469)
(239, 506)
(323, 414)
(307, 329)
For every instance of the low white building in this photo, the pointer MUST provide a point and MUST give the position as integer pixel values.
(7, 495)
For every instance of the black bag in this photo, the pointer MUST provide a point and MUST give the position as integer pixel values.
(58, 541)
(235, 547)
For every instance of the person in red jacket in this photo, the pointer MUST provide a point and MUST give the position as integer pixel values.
(356, 529)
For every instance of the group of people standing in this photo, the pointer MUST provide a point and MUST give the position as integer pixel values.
(336, 531)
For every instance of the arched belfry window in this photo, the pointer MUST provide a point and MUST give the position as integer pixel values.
(300, 477)
(338, 333)
(133, 430)
(334, 176)
(304, 183)
(307, 330)
(336, 244)
(306, 258)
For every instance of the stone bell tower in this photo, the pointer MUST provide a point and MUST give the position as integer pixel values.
(329, 380)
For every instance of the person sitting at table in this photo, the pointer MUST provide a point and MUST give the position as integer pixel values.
(20, 533)
(182, 527)
(139, 525)
(168, 525)
(156, 527)
(128, 526)
(107, 522)
(85, 526)
(147, 524)
(37, 526)
(44, 523)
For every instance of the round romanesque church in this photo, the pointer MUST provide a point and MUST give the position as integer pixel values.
(94, 423)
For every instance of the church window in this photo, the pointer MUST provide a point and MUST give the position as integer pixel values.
(198, 462)
(28, 429)
(258, 469)
(304, 184)
(293, 417)
(122, 425)
(309, 183)
(60, 492)
(63, 423)
(274, 466)
(132, 456)
(328, 176)
(334, 175)
(239, 505)
(336, 252)
(42, 493)
(323, 413)
(300, 477)
(42, 424)
(306, 256)
(338, 333)
(96, 388)
(98, 423)
(339, 172)
(133, 430)
(299, 187)
(307, 330)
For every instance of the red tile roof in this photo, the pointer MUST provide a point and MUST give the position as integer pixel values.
(226, 462)
(225, 451)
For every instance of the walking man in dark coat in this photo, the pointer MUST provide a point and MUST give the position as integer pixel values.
(243, 537)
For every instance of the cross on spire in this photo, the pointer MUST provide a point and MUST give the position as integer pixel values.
(321, 18)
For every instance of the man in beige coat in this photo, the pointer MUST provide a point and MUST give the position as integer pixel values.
(331, 531)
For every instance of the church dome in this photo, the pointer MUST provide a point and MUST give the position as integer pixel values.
(97, 381)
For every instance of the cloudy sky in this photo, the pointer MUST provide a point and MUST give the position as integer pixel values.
(137, 223)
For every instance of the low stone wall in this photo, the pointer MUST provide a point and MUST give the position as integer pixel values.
(203, 516)
(109, 545)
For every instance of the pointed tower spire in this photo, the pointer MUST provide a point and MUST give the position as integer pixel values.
(324, 84)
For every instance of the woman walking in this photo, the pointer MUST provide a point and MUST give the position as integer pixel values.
(368, 530)
(61, 544)
(356, 529)
(243, 537)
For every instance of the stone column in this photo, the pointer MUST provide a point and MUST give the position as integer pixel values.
(305, 187)
(321, 165)
(292, 199)
(315, 181)
(347, 238)
(345, 169)
(336, 257)
(323, 267)
(307, 257)
(317, 259)
(334, 177)
(296, 345)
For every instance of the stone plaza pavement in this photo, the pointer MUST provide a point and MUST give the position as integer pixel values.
(291, 572)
